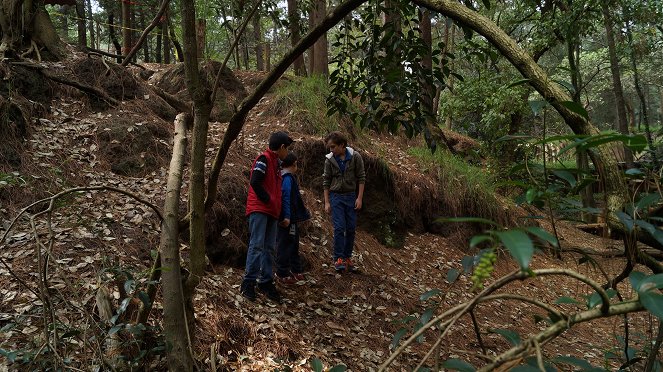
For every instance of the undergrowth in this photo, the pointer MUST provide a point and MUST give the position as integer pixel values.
(302, 103)
(465, 189)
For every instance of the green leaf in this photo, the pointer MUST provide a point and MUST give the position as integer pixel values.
(653, 302)
(537, 106)
(595, 299)
(634, 172)
(452, 275)
(468, 219)
(518, 82)
(144, 298)
(458, 365)
(647, 201)
(566, 176)
(426, 316)
(567, 300)
(566, 85)
(651, 282)
(519, 245)
(543, 235)
(576, 107)
(626, 220)
(338, 368)
(531, 195)
(316, 365)
(426, 295)
(509, 335)
(115, 329)
(478, 239)
(397, 338)
(468, 263)
(636, 279)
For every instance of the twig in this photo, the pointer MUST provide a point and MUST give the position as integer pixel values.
(539, 356)
(477, 331)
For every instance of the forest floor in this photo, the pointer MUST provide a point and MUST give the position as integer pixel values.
(348, 319)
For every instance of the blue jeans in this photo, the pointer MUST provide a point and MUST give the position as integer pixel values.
(262, 242)
(344, 218)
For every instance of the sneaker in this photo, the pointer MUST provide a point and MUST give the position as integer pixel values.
(349, 265)
(339, 265)
(269, 289)
(299, 277)
(248, 290)
(286, 280)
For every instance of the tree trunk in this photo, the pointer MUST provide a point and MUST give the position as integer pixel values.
(157, 48)
(113, 37)
(126, 28)
(622, 123)
(93, 44)
(201, 28)
(80, 14)
(176, 44)
(321, 59)
(427, 87)
(268, 56)
(295, 35)
(257, 39)
(25, 22)
(166, 38)
(146, 43)
(177, 338)
(64, 11)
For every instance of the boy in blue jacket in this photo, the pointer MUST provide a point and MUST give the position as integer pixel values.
(289, 268)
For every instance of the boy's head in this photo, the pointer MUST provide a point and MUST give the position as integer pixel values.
(290, 161)
(336, 142)
(279, 142)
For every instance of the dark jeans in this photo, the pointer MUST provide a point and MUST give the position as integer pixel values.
(287, 251)
(344, 218)
(262, 241)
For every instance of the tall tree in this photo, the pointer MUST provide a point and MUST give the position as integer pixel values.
(80, 14)
(90, 24)
(126, 27)
(294, 21)
(258, 43)
(319, 63)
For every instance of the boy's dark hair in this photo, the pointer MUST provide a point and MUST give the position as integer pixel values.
(278, 139)
(289, 160)
(337, 138)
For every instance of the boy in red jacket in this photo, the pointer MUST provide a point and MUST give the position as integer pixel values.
(263, 207)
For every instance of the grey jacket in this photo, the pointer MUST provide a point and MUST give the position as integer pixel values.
(354, 174)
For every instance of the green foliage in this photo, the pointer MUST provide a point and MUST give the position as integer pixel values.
(302, 101)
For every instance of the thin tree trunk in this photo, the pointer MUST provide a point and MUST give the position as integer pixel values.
(268, 56)
(320, 48)
(295, 35)
(201, 27)
(257, 39)
(64, 10)
(80, 14)
(157, 48)
(177, 338)
(428, 89)
(146, 42)
(176, 44)
(166, 38)
(126, 28)
(90, 24)
(113, 37)
(155, 21)
(641, 97)
(622, 123)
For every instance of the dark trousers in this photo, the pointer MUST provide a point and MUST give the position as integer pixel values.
(287, 251)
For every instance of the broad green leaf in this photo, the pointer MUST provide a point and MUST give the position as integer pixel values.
(478, 239)
(537, 106)
(452, 275)
(636, 278)
(144, 298)
(566, 176)
(115, 329)
(626, 220)
(647, 201)
(653, 302)
(338, 368)
(595, 298)
(518, 82)
(531, 194)
(636, 143)
(543, 235)
(468, 219)
(426, 316)
(510, 137)
(634, 172)
(567, 300)
(458, 365)
(651, 282)
(428, 294)
(509, 335)
(468, 263)
(316, 365)
(519, 246)
(583, 364)
(397, 338)
(576, 107)
(566, 85)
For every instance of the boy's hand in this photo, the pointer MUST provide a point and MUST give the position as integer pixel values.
(357, 204)
(285, 222)
(327, 208)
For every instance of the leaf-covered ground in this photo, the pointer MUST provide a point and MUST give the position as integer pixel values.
(100, 236)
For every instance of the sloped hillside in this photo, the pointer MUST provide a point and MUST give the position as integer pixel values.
(104, 237)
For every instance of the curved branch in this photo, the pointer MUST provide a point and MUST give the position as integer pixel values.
(153, 24)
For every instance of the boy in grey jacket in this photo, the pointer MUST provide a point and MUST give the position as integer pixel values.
(343, 182)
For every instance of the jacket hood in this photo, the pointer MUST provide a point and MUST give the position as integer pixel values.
(350, 150)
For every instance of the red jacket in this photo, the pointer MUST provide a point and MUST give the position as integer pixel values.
(272, 185)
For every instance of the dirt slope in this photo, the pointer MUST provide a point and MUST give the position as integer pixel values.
(348, 318)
